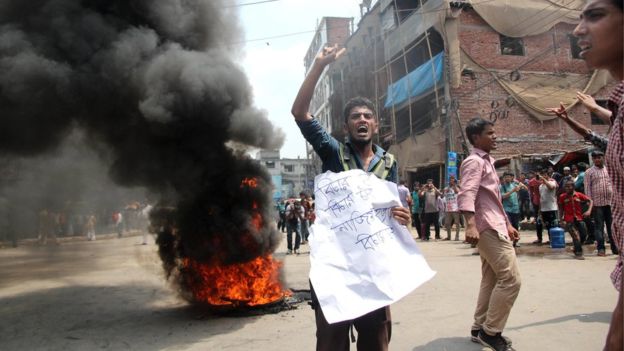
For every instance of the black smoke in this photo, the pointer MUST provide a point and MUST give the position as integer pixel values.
(155, 90)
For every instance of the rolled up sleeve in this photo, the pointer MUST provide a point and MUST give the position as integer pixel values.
(470, 175)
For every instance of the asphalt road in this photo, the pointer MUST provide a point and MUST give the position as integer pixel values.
(111, 295)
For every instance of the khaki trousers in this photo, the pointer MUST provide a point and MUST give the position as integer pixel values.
(500, 282)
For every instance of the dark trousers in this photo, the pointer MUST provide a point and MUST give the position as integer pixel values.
(577, 231)
(431, 218)
(602, 216)
(514, 219)
(549, 219)
(525, 209)
(416, 224)
(290, 228)
(281, 225)
(373, 330)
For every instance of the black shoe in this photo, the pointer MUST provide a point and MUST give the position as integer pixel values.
(496, 342)
(474, 333)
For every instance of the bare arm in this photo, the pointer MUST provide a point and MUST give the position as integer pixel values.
(591, 105)
(301, 106)
(563, 115)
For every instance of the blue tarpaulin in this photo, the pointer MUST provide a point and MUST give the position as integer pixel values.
(415, 83)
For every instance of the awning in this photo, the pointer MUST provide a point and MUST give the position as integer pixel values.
(418, 82)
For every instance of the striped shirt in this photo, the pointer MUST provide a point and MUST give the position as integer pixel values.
(615, 163)
(598, 186)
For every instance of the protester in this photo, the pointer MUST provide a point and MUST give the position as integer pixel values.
(598, 188)
(429, 193)
(90, 227)
(525, 198)
(488, 227)
(359, 152)
(307, 206)
(533, 185)
(509, 191)
(601, 39)
(294, 216)
(570, 207)
(416, 209)
(404, 194)
(548, 205)
(281, 210)
(452, 214)
(117, 219)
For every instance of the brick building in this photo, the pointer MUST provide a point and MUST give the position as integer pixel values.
(431, 65)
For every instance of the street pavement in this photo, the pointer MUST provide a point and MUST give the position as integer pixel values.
(111, 294)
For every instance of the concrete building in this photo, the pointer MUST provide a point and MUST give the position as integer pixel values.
(290, 176)
(432, 65)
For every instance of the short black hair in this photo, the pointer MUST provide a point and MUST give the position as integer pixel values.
(358, 101)
(507, 173)
(476, 126)
(582, 166)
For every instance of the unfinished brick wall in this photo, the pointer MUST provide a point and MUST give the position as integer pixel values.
(518, 132)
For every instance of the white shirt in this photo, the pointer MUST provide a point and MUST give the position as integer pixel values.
(548, 198)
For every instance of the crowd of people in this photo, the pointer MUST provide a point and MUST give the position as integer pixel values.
(491, 208)
(51, 224)
(295, 218)
(578, 199)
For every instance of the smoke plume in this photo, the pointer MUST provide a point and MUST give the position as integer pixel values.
(155, 83)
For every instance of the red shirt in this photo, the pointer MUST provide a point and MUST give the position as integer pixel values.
(534, 191)
(571, 205)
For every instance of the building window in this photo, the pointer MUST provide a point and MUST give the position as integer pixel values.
(575, 50)
(511, 46)
(289, 168)
(270, 164)
(595, 120)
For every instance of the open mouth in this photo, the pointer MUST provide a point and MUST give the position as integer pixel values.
(363, 129)
(584, 46)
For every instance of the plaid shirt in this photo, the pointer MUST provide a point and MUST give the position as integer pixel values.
(598, 186)
(615, 162)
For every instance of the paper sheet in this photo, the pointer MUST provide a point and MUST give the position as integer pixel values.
(361, 258)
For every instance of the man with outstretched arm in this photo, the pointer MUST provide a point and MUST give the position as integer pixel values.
(487, 226)
(359, 152)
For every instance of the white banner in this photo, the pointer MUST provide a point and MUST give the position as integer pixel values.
(361, 258)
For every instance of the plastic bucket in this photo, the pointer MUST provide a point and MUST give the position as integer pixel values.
(557, 238)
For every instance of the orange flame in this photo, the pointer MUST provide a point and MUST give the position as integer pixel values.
(250, 182)
(251, 283)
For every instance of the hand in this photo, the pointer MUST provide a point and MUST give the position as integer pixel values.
(513, 233)
(560, 112)
(329, 55)
(587, 101)
(472, 234)
(402, 215)
(562, 222)
(586, 214)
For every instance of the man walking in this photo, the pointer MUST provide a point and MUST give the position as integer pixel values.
(598, 188)
(359, 152)
(452, 209)
(488, 227)
(294, 217)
